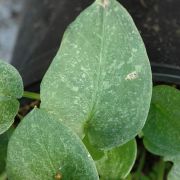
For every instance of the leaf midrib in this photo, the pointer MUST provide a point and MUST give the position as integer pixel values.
(96, 96)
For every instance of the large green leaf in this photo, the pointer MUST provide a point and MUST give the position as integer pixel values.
(162, 130)
(118, 162)
(100, 81)
(42, 148)
(11, 88)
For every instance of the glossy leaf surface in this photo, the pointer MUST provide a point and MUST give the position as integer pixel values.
(42, 148)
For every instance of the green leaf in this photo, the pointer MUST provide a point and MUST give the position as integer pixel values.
(4, 138)
(42, 148)
(118, 162)
(154, 149)
(129, 177)
(161, 132)
(95, 153)
(115, 163)
(174, 173)
(8, 110)
(11, 88)
(100, 81)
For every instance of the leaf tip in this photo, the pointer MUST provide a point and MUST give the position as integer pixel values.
(103, 3)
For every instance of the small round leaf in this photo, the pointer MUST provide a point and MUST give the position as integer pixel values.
(162, 129)
(118, 162)
(11, 88)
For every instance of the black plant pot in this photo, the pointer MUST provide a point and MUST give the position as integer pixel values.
(45, 22)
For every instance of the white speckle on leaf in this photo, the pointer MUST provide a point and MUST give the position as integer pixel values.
(113, 27)
(134, 50)
(107, 85)
(120, 65)
(131, 76)
(75, 46)
(130, 60)
(75, 89)
(138, 68)
(116, 9)
(76, 102)
(84, 69)
(83, 75)
(62, 78)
